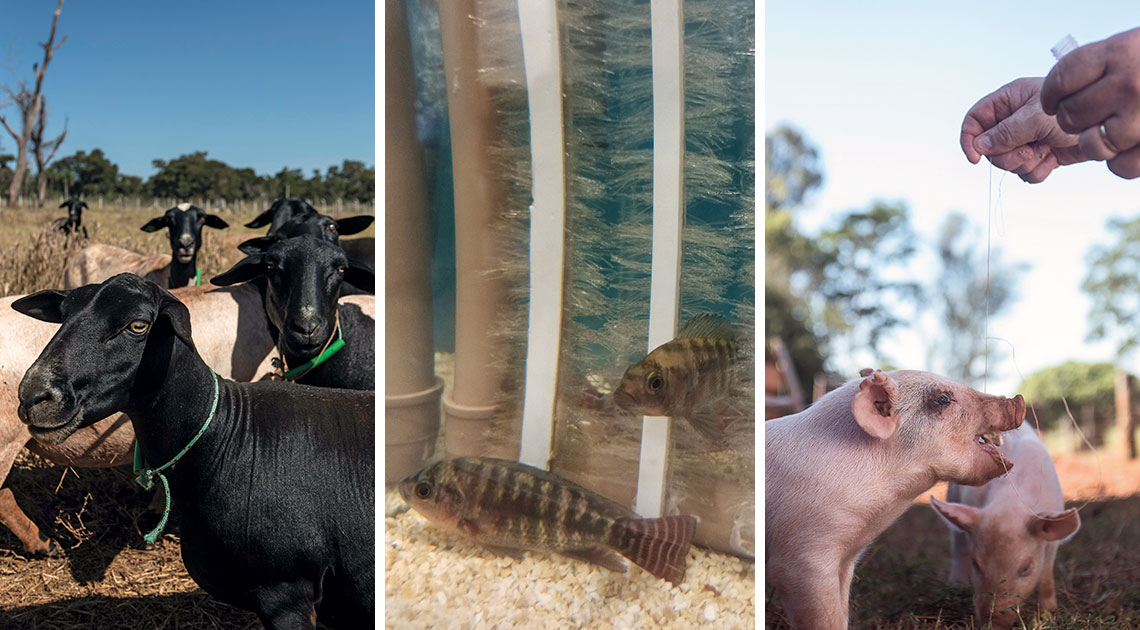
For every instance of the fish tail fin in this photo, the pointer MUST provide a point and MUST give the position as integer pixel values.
(659, 545)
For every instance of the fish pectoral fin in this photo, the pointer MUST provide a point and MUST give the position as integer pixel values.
(469, 527)
(708, 424)
(599, 556)
(511, 552)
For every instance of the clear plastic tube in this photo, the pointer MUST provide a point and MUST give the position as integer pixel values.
(1064, 47)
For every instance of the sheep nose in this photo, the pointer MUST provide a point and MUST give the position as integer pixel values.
(45, 399)
(306, 325)
(186, 240)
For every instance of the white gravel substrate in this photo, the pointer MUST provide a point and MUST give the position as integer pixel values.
(435, 579)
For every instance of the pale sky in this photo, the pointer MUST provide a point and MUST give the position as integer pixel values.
(881, 89)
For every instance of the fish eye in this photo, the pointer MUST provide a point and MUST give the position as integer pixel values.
(423, 489)
(138, 326)
(654, 383)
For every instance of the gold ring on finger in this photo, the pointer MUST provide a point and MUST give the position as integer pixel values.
(1107, 143)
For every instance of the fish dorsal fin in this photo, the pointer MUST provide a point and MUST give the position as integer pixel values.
(708, 325)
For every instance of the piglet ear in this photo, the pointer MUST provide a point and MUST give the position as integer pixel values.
(964, 517)
(876, 404)
(1057, 526)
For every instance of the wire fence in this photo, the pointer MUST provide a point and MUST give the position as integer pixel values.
(324, 205)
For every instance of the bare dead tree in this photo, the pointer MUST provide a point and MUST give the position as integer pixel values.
(44, 152)
(30, 106)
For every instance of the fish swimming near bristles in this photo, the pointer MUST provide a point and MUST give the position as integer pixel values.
(507, 504)
(684, 377)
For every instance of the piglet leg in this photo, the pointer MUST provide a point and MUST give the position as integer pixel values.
(1046, 596)
(820, 603)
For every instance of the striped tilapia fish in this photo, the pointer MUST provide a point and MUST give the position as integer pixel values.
(508, 504)
(684, 377)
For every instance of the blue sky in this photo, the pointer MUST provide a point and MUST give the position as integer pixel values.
(881, 88)
(256, 84)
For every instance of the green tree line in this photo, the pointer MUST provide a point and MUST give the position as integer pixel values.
(195, 175)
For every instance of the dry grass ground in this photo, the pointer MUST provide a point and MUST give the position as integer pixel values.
(106, 577)
(902, 584)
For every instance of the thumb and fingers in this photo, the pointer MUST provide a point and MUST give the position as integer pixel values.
(1095, 91)
(990, 112)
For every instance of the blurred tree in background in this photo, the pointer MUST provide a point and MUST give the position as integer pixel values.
(842, 288)
(959, 295)
(1113, 284)
(1088, 387)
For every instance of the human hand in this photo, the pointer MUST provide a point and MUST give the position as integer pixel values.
(1010, 129)
(1094, 91)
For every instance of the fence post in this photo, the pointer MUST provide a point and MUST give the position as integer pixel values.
(1125, 412)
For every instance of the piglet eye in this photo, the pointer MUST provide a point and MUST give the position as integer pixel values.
(943, 400)
(138, 326)
(1025, 569)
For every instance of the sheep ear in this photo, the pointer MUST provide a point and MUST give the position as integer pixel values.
(216, 222)
(179, 317)
(82, 204)
(257, 245)
(42, 305)
(154, 224)
(354, 225)
(247, 268)
(64, 204)
(360, 276)
(265, 218)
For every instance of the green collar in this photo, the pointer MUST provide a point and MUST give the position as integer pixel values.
(197, 277)
(325, 355)
(145, 476)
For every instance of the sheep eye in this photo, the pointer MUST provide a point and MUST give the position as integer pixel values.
(340, 269)
(423, 489)
(138, 326)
